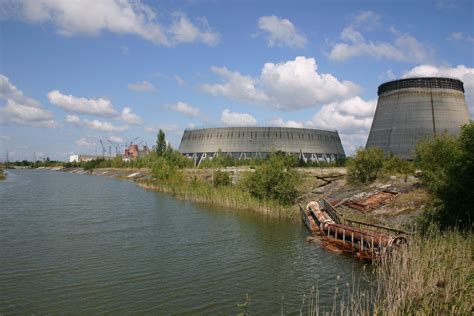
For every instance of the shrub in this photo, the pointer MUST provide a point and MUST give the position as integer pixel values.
(397, 165)
(220, 178)
(366, 165)
(162, 170)
(274, 179)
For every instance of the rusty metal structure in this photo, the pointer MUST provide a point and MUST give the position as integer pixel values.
(371, 201)
(363, 240)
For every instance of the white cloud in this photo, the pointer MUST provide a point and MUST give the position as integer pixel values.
(129, 117)
(236, 86)
(104, 126)
(22, 110)
(186, 109)
(91, 17)
(100, 107)
(167, 128)
(183, 31)
(4, 137)
(352, 118)
(461, 72)
(366, 19)
(95, 124)
(461, 37)
(9, 92)
(281, 32)
(83, 142)
(297, 84)
(279, 122)
(290, 85)
(116, 139)
(388, 75)
(15, 113)
(143, 86)
(73, 119)
(179, 80)
(404, 47)
(229, 118)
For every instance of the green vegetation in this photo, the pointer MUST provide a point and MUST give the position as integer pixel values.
(47, 163)
(447, 165)
(366, 166)
(2, 174)
(160, 143)
(274, 179)
(220, 178)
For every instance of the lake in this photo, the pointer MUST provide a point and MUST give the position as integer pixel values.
(74, 243)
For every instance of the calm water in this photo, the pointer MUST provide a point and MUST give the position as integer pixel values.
(88, 244)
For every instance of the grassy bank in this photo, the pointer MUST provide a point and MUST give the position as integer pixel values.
(3, 176)
(429, 276)
(224, 196)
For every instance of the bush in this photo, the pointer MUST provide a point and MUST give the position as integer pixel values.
(366, 165)
(274, 179)
(397, 165)
(162, 170)
(220, 178)
(447, 166)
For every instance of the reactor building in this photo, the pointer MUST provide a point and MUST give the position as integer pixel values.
(409, 110)
(251, 142)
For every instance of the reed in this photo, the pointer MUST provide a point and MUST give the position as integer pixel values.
(223, 196)
(428, 276)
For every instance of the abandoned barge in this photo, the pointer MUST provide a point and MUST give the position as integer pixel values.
(335, 233)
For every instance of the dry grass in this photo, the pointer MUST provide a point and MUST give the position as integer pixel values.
(414, 199)
(428, 276)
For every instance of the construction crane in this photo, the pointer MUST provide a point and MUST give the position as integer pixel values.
(103, 147)
(131, 142)
(115, 145)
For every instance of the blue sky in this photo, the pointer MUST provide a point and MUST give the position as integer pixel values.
(75, 72)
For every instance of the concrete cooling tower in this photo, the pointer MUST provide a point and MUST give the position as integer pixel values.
(409, 110)
(250, 142)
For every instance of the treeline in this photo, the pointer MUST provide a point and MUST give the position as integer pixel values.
(33, 164)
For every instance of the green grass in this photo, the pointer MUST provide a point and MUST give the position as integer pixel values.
(223, 196)
(2, 174)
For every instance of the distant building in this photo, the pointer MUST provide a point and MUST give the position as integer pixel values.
(250, 142)
(82, 158)
(134, 151)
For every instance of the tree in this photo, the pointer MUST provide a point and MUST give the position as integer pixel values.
(160, 143)
(366, 165)
(447, 166)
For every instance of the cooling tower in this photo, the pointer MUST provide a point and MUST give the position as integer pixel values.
(249, 142)
(409, 110)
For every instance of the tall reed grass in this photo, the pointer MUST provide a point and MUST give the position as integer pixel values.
(428, 276)
(222, 196)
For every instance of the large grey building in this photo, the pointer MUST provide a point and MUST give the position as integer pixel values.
(249, 142)
(409, 110)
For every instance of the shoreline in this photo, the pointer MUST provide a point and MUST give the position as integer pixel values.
(227, 197)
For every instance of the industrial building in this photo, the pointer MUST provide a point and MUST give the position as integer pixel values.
(250, 142)
(83, 158)
(409, 110)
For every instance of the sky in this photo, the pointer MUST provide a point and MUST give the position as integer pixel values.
(74, 72)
